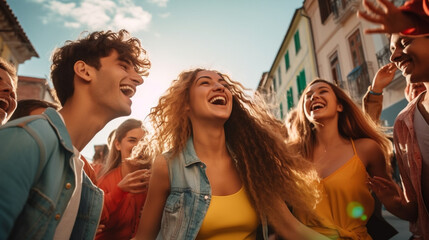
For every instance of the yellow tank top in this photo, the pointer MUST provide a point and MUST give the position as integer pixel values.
(229, 217)
(346, 203)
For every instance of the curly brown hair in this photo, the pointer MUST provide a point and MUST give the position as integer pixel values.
(266, 165)
(90, 49)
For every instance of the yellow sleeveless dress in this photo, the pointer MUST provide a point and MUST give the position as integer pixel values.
(229, 217)
(346, 203)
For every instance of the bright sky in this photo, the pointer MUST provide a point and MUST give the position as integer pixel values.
(238, 37)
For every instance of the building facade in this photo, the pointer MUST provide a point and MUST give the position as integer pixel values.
(345, 55)
(293, 67)
(35, 88)
(15, 46)
(349, 57)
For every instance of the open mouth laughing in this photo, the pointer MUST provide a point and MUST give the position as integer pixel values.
(127, 90)
(316, 106)
(218, 100)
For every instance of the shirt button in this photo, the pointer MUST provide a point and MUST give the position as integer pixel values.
(68, 185)
(57, 216)
(206, 197)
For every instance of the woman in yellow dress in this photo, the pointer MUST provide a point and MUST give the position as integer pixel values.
(346, 148)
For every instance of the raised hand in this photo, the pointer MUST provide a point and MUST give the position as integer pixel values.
(383, 77)
(135, 182)
(393, 198)
(386, 190)
(390, 18)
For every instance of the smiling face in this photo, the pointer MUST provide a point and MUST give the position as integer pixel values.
(7, 96)
(209, 97)
(320, 103)
(126, 144)
(114, 85)
(411, 56)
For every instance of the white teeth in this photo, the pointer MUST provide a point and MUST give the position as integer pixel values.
(317, 106)
(127, 90)
(217, 99)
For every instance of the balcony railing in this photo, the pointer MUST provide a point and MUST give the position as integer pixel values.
(342, 9)
(383, 56)
(358, 81)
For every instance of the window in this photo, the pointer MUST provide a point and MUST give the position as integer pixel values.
(289, 98)
(279, 75)
(335, 69)
(274, 84)
(301, 82)
(297, 42)
(281, 110)
(325, 9)
(287, 60)
(356, 49)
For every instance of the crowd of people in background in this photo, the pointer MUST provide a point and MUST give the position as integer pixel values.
(213, 162)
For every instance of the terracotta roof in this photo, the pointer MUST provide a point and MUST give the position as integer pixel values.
(32, 79)
(10, 28)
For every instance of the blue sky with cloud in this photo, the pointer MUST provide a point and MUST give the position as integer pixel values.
(238, 37)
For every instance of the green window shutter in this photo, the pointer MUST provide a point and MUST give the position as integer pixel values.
(298, 84)
(287, 60)
(279, 75)
(301, 82)
(281, 111)
(297, 42)
(289, 98)
(274, 84)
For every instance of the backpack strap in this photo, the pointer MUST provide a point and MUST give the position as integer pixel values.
(42, 158)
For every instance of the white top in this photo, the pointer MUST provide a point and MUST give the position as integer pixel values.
(65, 226)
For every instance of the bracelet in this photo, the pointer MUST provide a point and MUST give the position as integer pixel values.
(375, 93)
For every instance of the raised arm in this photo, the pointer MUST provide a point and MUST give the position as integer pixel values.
(159, 188)
(134, 182)
(373, 99)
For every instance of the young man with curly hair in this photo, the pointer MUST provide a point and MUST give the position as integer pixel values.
(45, 192)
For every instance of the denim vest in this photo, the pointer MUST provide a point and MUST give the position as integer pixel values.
(189, 198)
(37, 180)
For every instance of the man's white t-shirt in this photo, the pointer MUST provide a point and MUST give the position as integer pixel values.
(65, 226)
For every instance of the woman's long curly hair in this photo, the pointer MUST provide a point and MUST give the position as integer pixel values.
(266, 165)
(352, 124)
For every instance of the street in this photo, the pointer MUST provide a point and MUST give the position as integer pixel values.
(401, 226)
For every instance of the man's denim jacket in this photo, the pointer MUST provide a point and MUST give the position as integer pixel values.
(37, 180)
(190, 195)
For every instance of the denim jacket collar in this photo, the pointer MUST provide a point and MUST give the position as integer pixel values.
(58, 124)
(189, 151)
